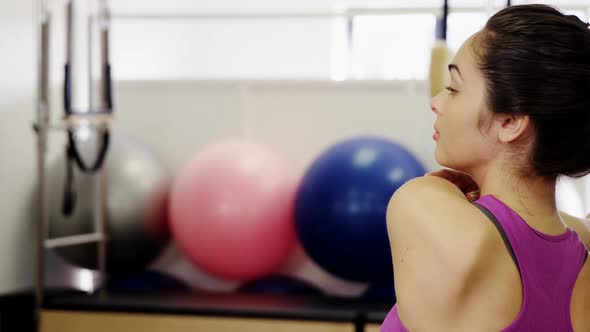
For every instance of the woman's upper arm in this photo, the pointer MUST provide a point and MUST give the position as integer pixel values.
(433, 210)
(432, 245)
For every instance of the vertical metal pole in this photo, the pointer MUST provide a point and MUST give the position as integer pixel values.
(90, 23)
(69, 34)
(105, 69)
(103, 24)
(349, 44)
(42, 22)
(103, 222)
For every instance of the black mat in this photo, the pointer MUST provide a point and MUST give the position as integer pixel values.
(228, 305)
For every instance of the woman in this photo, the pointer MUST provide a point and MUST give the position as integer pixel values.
(515, 116)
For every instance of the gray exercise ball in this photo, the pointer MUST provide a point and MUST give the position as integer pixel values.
(137, 207)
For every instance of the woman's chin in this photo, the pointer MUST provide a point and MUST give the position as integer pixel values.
(443, 161)
(439, 157)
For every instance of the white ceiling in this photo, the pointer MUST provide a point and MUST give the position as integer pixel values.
(163, 6)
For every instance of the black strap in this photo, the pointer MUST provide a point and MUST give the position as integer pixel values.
(501, 230)
(73, 159)
(69, 195)
(74, 154)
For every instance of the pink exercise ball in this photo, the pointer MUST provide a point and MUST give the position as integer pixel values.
(232, 212)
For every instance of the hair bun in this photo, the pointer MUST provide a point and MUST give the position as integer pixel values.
(575, 19)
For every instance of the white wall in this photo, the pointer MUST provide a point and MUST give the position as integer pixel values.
(16, 142)
(222, 49)
(299, 118)
(176, 119)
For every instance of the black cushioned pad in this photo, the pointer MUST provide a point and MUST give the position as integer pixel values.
(228, 305)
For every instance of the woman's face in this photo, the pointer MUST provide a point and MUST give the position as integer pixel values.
(463, 139)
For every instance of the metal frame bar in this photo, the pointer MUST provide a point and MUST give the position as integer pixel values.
(42, 26)
(72, 240)
(42, 126)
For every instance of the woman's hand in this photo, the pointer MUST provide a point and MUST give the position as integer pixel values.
(463, 181)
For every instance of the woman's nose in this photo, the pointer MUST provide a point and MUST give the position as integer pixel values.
(435, 103)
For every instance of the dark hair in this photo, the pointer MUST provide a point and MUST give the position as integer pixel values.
(536, 62)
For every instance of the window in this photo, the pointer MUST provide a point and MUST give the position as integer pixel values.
(384, 44)
(392, 46)
(203, 48)
(462, 25)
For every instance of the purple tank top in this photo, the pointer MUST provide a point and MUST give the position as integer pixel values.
(549, 267)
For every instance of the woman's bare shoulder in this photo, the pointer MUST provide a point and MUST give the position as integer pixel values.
(435, 208)
(435, 231)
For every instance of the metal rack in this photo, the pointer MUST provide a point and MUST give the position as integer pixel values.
(96, 119)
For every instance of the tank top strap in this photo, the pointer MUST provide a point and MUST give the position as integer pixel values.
(549, 266)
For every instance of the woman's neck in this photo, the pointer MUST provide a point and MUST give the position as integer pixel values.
(530, 197)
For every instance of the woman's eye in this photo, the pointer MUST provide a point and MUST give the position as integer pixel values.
(451, 90)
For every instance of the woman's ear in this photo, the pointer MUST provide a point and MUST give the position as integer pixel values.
(512, 127)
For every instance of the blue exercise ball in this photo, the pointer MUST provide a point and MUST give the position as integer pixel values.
(279, 285)
(341, 205)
